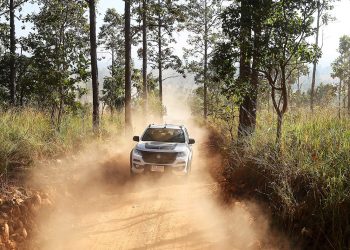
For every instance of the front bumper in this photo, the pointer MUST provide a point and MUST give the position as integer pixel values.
(139, 166)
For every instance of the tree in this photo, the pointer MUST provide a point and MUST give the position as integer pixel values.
(286, 32)
(112, 38)
(59, 48)
(4, 38)
(12, 5)
(325, 94)
(243, 25)
(297, 70)
(322, 18)
(25, 86)
(128, 41)
(4, 69)
(144, 53)
(272, 42)
(204, 24)
(94, 67)
(12, 53)
(164, 19)
(341, 66)
(247, 113)
(113, 90)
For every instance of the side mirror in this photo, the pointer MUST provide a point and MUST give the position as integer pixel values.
(192, 141)
(136, 138)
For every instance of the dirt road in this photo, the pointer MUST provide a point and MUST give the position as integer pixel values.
(148, 213)
(159, 217)
(154, 214)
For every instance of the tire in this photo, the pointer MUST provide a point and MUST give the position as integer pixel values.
(189, 167)
(130, 166)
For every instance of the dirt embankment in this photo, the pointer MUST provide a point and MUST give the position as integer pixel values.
(54, 186)
(18, 212)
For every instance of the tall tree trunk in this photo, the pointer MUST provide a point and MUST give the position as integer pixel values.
(113, 64)
(128, 121)
(12, 54)
(349, 97)
(248, 107)
(205, 61)
(298, 82)
(160, 59)
(144, 56)
(21, 101)
(94, 67)
(279, 130)
(60, 110)
(280, 114)
(339, 99)
(283, 110)
(313, 82)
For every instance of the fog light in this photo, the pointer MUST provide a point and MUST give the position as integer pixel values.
(180, 167)
(137, 166)
(181, 154)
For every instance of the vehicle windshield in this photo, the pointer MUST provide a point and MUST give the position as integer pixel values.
(164, 135)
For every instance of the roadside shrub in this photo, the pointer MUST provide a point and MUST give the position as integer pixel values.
(28, 135)
(306, 183)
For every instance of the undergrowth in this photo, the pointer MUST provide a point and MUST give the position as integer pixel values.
(27, 136)
(306, 183)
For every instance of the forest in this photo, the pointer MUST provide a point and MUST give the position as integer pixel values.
(248, 72)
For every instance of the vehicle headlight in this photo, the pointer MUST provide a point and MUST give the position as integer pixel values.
(182, 154)
(137, 152)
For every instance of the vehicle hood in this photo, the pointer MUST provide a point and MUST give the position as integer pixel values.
(161, 146)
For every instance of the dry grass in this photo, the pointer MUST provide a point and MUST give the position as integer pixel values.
(27, 136)
(306, 184)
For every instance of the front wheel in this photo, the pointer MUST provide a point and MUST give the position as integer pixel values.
(189, 168)
(131, 173)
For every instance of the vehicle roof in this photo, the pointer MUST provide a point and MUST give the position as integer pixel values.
(171, 126)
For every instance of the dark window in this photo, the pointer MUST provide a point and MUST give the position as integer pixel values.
(164, 135)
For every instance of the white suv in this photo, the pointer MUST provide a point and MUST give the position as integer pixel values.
(162, 149)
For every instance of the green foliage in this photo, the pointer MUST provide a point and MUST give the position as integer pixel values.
(203, 23)
(223, 65)
(55, 59)
(325, 94)
(342, 63)
(222, 109)
(4, 38)
(60, 43)
(26, 88)
(113, 90)
(272, 40)
(301, 99)
(165, 18)
(155, 107)
(112, 37)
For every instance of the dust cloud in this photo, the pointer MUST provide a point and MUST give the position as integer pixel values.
(96, 205)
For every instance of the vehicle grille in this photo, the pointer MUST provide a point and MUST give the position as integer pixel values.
(158, 158)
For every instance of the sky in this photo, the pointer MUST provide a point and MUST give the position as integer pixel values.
(330, 33)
